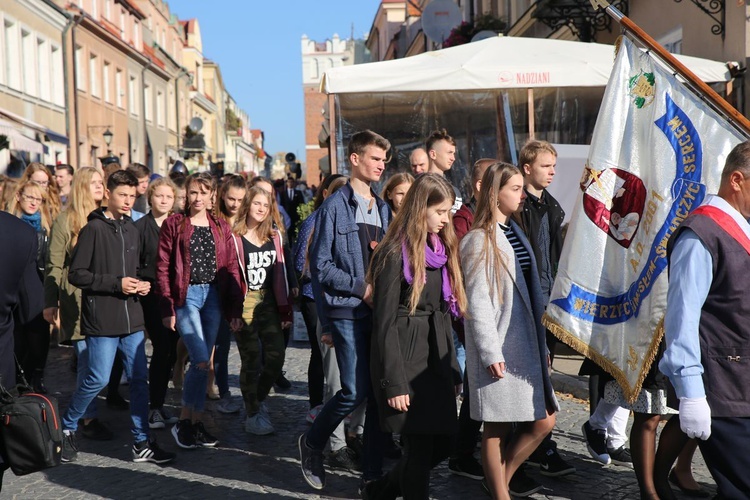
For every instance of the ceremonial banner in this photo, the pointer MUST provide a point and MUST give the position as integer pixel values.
(657, 150)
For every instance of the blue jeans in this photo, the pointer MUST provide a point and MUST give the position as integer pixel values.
(83, 365)
(198, 323)
(221, 357)
(351, 341)
(101, 354)
(460, 353)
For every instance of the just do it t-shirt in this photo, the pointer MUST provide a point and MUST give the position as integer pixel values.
(259, 262)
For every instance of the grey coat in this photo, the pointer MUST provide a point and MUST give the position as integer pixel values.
(507, 331)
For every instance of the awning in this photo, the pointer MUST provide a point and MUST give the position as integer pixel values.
(18, 141)
(53, 136)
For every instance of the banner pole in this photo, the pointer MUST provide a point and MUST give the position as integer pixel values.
(716, 100)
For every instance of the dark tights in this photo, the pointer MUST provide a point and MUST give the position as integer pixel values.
(643, 450)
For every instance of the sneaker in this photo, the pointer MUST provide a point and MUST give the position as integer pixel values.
(168, 419)
(313, 414)
(552, 464)
(282, 383)
(467, 467)
(156, 420)
(345, 459)
(596, 442)
(311, 463)
(69, 448)
(258, 425)
(203, 437)
(620, 456)
(228, 404)
(522, 485)
(96, 431)
(146, 451)
(183, 434)
(212, 393)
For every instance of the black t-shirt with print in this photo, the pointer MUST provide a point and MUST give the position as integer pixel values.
(259, 263)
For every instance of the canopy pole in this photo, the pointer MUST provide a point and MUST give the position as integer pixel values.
(710, 94)
(530, 106)
(332, 139)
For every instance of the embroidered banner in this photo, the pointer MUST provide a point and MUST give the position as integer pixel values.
(656, 151)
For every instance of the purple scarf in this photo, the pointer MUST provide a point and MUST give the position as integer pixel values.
(434, 259)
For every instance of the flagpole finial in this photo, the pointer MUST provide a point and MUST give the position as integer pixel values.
(596, 4)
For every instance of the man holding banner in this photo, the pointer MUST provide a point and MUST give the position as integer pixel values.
(707, 326)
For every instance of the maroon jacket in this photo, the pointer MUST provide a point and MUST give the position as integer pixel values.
(173, 265)
(462, 222)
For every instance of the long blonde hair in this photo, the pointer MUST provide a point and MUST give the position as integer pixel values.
(81, 203)
(393, 182)
(14, 207)
(409, 227)
(275, 213)
(494, 179)
(265, 229)
(53, 203)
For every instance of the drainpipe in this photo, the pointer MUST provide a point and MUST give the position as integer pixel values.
(72, 25)
(183, 72)
(143, 110)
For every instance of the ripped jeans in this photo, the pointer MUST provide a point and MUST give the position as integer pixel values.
(198, 324)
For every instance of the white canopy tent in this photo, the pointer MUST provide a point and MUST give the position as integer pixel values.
(497, 63)
(490, 95)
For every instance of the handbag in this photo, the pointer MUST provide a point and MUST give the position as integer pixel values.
(30, 430)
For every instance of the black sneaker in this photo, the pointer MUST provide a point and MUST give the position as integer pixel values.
(467, 467)
(69, 448)
(345, 459)
(551, 464)
(311, 462)
(522, 485)
(183, 434)
(96, 431)
(146, 451)
(620, 456)
(202, 436)
(596, 442)
(282, 383)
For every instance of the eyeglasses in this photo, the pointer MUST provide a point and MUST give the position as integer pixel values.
(30, 198)
(43, 183)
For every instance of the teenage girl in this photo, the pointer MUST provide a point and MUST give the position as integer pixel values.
(395, 189)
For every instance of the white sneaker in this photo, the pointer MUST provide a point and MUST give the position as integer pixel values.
(228, 404)
(258, 425)
(313, 414)
(155, 420)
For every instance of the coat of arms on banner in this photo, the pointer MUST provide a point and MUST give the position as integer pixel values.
(657, 149)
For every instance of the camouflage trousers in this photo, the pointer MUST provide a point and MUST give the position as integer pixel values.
(262, 326)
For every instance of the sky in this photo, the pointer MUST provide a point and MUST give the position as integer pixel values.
(257, 44)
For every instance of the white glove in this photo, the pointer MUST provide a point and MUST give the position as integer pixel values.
(695, 417)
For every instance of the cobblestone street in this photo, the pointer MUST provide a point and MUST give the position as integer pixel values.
(246, 466)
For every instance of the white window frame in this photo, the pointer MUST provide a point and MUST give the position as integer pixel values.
(80, 75)
(12, 51)
(133, 94)
(160, 108)
(56, 68)
(28, 56)
(148, 102)
(43, 70)
(119, 90)
(672, 40)
(107, 81)
(94, 89)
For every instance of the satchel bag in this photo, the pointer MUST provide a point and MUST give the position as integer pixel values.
(30, 430)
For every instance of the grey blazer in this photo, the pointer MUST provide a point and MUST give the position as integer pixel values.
(505, 329)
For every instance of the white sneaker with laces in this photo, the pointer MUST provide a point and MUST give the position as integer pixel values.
(258, 425)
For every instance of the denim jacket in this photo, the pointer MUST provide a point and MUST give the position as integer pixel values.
(336, 261)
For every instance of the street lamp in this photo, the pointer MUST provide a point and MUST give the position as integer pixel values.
(108, 139)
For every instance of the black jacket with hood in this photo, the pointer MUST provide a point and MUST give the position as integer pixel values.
(107, 251)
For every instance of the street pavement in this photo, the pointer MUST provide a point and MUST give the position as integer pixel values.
(247, 466)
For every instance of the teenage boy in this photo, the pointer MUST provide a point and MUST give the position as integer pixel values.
(349, 226)
(541, 219)
(64, 179)
(103, 265)
(441, 150)
(143, 174)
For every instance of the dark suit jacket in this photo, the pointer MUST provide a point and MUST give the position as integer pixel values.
(291, 204)
(19, 287)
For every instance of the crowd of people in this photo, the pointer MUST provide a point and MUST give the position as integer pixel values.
(422, 310)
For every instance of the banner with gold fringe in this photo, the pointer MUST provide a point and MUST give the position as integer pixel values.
(657, 150)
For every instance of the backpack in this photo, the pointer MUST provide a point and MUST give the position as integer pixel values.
(30, 430)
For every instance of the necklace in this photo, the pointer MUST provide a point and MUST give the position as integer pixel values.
(373, 239)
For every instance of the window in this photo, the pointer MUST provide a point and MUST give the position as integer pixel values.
(28, 54)
(79, 68)
(108, 9)
(56, 65)
(132, 95)
(94, 75)
(160, 108)
(106, 77)
(672, 41)
(136, 35)
(95, 9)
(171, 110)
(44, 76)
(147, 101)
(122, 24)
(118, 89)
(12, 61)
